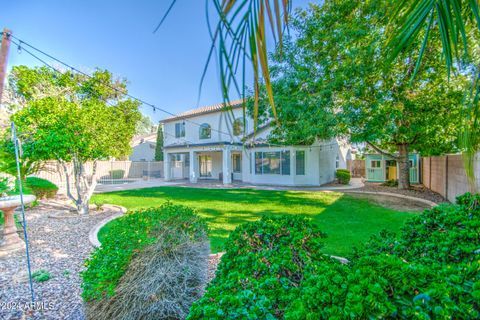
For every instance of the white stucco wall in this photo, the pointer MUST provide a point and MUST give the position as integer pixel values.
(221, 128)
(143, 152)
(320, 158)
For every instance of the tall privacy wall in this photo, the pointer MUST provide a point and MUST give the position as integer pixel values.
(108, 172)
(446, 175)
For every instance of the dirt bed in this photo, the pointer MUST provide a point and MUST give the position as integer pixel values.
(415, 191)
(396, 203)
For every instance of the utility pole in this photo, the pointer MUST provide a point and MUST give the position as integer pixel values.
(3, 59)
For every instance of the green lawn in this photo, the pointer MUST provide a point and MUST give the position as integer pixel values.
(347, 221)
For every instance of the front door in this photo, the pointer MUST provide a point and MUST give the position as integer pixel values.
(205, 165)
(391, 169)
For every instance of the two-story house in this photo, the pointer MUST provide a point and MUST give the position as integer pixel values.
(218, 143)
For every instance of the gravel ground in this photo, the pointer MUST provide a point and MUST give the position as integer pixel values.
(415, 191)
(213, 262)
(58, 245)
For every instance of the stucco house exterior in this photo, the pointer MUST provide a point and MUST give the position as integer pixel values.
(143, 148)
(214, 143)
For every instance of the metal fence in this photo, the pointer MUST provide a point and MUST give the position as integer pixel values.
(108, 172)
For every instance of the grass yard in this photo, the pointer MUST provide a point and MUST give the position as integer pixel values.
(347, 221)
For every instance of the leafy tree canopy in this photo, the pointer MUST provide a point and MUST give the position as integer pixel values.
(70, 115)
(332, 80)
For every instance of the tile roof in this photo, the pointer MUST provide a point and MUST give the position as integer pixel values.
(204, 110)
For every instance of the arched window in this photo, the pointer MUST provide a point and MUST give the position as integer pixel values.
(205, 131)
(238, 126)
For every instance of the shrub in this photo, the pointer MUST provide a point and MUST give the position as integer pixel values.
(431, 270)
(390, 183)
(260, 272)
(41, 188)
(117, 174)
(343, 176)
(444, 242)
(162, 281)
(128, 236)
(41, 275)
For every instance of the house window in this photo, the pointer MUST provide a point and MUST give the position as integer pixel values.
(375, 164)
(337, 161)
(205, 131)
(180, 130)
(238, 126)
(237, 162)
(205, 166)
(300, 163)
(276, 162)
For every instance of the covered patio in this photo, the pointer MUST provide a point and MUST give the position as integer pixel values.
(203, 162)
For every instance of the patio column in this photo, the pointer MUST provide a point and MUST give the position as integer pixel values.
(193, 167)
(227, 163)
(167, 166)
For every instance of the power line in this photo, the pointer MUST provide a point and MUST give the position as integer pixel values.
(107, 85)
(21, 44)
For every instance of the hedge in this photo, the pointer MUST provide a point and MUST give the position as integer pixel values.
(41, 188)
(275, 269)
(127, 236)
(343, 176)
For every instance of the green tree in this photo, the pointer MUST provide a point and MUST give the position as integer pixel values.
(74, 119)
(332, 80)
(144, 126)
(159, 146)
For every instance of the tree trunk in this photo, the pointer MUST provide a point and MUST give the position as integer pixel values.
(83, 186)
(404, 167)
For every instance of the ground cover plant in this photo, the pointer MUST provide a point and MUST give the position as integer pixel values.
(347, 220)
(154, 263)
(276, 269)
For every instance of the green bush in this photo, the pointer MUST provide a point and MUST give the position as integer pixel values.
(162, 280)
(260, 272)
(41, 188)
(343, 176)
(41, 275)
(430, 271)
(390, 183)
(127, 236)
(117, 174)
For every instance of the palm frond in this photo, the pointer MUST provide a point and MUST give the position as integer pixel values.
(450, 19)
(240, 36)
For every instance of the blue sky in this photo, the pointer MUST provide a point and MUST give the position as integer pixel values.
(162, 68)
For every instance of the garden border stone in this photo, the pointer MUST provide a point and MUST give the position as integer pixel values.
(93, 234)
(428, 202)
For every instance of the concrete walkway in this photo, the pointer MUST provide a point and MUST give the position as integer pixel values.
(355, 183)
